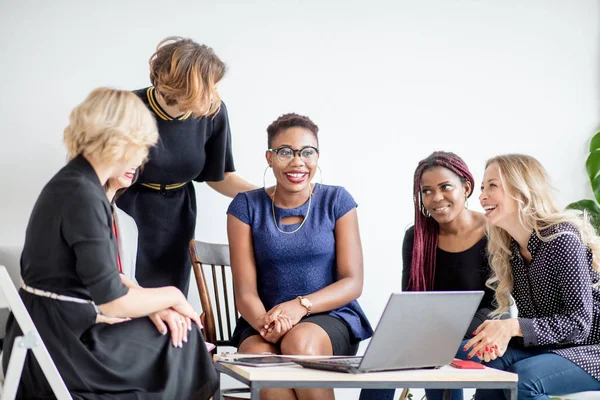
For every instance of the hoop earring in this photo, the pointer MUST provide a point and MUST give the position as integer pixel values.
(425, 212)
(321, 187)
(421, 207)
(265, 178)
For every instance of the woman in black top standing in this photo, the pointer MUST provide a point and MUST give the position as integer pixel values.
(446, 247)
(194, 145)
(72, 286)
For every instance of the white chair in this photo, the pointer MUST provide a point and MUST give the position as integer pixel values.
(31, 340)
(10, 257)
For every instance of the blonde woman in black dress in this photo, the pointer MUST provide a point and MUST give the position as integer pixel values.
(71, 283)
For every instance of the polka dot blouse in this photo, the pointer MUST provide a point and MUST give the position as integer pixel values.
(558, 305)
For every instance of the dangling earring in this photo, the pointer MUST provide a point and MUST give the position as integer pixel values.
(421, 207)
(265, 178)
(466, 202)
(425, 212)
(320, 173)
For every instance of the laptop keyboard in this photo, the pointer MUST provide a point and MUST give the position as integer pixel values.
(342, 361)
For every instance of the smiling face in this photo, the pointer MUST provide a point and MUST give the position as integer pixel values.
(500, 208)
(443, 194)
(295, 175)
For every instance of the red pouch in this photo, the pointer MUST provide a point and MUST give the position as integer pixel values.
(466, 364)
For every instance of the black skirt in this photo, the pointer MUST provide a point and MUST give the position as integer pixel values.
(128, 360)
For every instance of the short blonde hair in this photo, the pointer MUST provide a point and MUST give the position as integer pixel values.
(186, 73)
(110, 125)
(526, 181)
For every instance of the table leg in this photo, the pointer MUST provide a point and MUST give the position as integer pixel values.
(254, 392)
(513, 394)
(447, 394)
(218, 395)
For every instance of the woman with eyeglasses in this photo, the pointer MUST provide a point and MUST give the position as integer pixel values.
(296, 259)
(195, 145)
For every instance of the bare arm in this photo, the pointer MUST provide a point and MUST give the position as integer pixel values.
(130, 283)
(140, 302)
(231, 185)
(243, 267)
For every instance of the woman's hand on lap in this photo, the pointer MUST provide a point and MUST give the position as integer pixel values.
(178, 324)
(292, 309)
(491, 339)
(185, 308)
(277, 329)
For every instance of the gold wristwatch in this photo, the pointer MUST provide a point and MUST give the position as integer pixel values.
(304, 302)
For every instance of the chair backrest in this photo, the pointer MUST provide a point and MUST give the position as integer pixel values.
(10, 257)
(31, 340)
(219, 317)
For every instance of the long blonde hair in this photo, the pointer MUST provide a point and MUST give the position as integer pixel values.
(525, 180)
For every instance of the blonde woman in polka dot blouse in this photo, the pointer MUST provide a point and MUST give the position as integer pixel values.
(548, 260)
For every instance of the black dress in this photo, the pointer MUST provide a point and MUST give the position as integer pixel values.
(70, 249)
(163, 200)
(464, 270)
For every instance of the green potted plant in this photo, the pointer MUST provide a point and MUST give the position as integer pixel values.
(592, 166)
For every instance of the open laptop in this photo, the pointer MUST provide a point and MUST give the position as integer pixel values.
(416, 330)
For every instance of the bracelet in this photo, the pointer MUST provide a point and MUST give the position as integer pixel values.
(304, 302)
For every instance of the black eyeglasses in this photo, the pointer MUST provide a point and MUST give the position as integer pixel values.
(285, 154)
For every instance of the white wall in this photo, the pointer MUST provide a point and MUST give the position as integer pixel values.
(387, 82)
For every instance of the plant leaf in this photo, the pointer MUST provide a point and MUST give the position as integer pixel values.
(589, 205)
(596, 188)
(592, 209)
(592, 164)
(595, 142)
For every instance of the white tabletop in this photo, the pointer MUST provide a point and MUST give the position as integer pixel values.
(300, 374)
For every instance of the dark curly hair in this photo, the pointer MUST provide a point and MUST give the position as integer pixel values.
(291, 120)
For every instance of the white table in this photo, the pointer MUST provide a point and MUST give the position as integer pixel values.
(295, 376)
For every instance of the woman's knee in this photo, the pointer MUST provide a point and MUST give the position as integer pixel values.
(306, 340)
(529, 385)
(256, 344)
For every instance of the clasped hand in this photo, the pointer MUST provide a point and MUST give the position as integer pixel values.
(280, 319)
(178, 320)
(491, 339)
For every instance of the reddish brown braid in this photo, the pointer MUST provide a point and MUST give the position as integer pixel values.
(422, 268)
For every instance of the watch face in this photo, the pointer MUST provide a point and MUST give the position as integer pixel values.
(305, 302)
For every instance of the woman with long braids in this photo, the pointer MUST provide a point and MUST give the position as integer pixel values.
(445, 250)
(296, 259)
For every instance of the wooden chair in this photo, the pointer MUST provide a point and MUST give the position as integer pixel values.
(31, 340)
(218, 317)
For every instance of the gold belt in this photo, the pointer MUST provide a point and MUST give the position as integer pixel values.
(158, 186)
